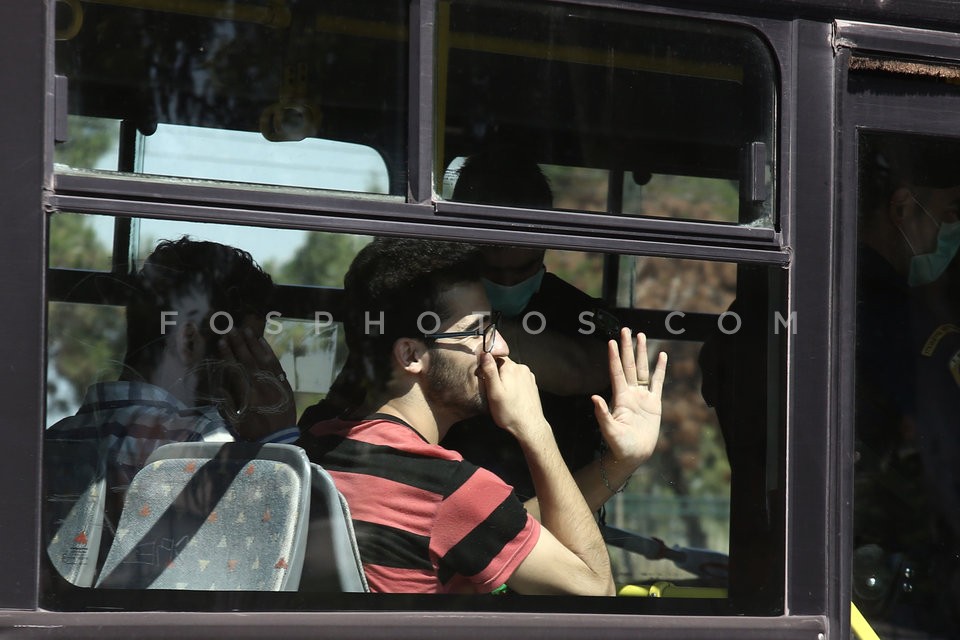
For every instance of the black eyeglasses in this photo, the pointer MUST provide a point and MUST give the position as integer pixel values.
(488, 332)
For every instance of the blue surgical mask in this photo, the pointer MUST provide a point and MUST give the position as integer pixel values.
(511, 300)
(927, 267)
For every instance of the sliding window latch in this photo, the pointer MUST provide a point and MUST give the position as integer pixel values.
(754, 177)
(60, 133)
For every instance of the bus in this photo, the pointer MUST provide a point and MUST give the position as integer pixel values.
(765, 188)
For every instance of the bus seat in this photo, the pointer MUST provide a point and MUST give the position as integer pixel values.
(332, 562)
(75, 479)
(224, 516)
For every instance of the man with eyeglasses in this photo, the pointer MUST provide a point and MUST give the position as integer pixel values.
(419, 323)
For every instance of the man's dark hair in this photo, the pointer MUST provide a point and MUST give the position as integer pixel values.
(503, 177)
(233, 282)
(400, 278)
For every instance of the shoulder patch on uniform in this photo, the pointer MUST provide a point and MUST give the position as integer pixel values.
(938, 334)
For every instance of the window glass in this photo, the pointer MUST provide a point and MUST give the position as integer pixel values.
(906, 503)
(578, 188)
(87, 303)
(290, 93)
(81, 242)
(682, 495)
(650, 282)
(93, 143)
(246, 156)
(290, 256)
(123, 348)
(581, 269)
(669, 284)
(626, 113)
(266, 249)
(85, 345)
(712, 199)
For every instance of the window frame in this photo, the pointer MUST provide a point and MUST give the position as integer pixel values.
(911, 114)
(24, 169)
(807, 106)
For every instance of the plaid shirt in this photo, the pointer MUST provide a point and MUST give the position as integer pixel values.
(129, 420)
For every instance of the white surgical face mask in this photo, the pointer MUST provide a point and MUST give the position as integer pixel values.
(927, 267)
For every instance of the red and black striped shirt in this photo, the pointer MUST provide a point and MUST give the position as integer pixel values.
(426, 520)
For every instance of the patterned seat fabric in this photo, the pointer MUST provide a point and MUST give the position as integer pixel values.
(212, 516)
(75, 484)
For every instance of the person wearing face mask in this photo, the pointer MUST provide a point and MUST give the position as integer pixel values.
(543, 318)
(931, 259)
(907, 489)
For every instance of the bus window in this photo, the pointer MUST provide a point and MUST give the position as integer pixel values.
(626, 113)
(293, 95)
(906, 536)
(309, 346)
(290, 256)
(667, 196)
(664, 196)
(246, 156)
(710, 493)
(81, 242)
(94, 143)
(85, 344)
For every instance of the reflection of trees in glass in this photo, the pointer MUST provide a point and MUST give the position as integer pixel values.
(150, 66)
(686, 197)
(85, 342)
(577, 188)
(311, 356)
(321, 261)
(691, 463)
(582, 270)
(345, 60)
(89, 140)
(691, 458)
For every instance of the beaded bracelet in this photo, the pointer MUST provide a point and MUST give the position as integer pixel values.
(603, 473)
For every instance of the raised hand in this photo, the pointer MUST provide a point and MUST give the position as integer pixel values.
(512, 396)
(631, 427)
(260, 397)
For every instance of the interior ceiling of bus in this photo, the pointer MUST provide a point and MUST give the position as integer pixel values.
(643, 107)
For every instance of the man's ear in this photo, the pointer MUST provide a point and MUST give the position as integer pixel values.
(189, 344)
(408, 353)
(899, 201)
